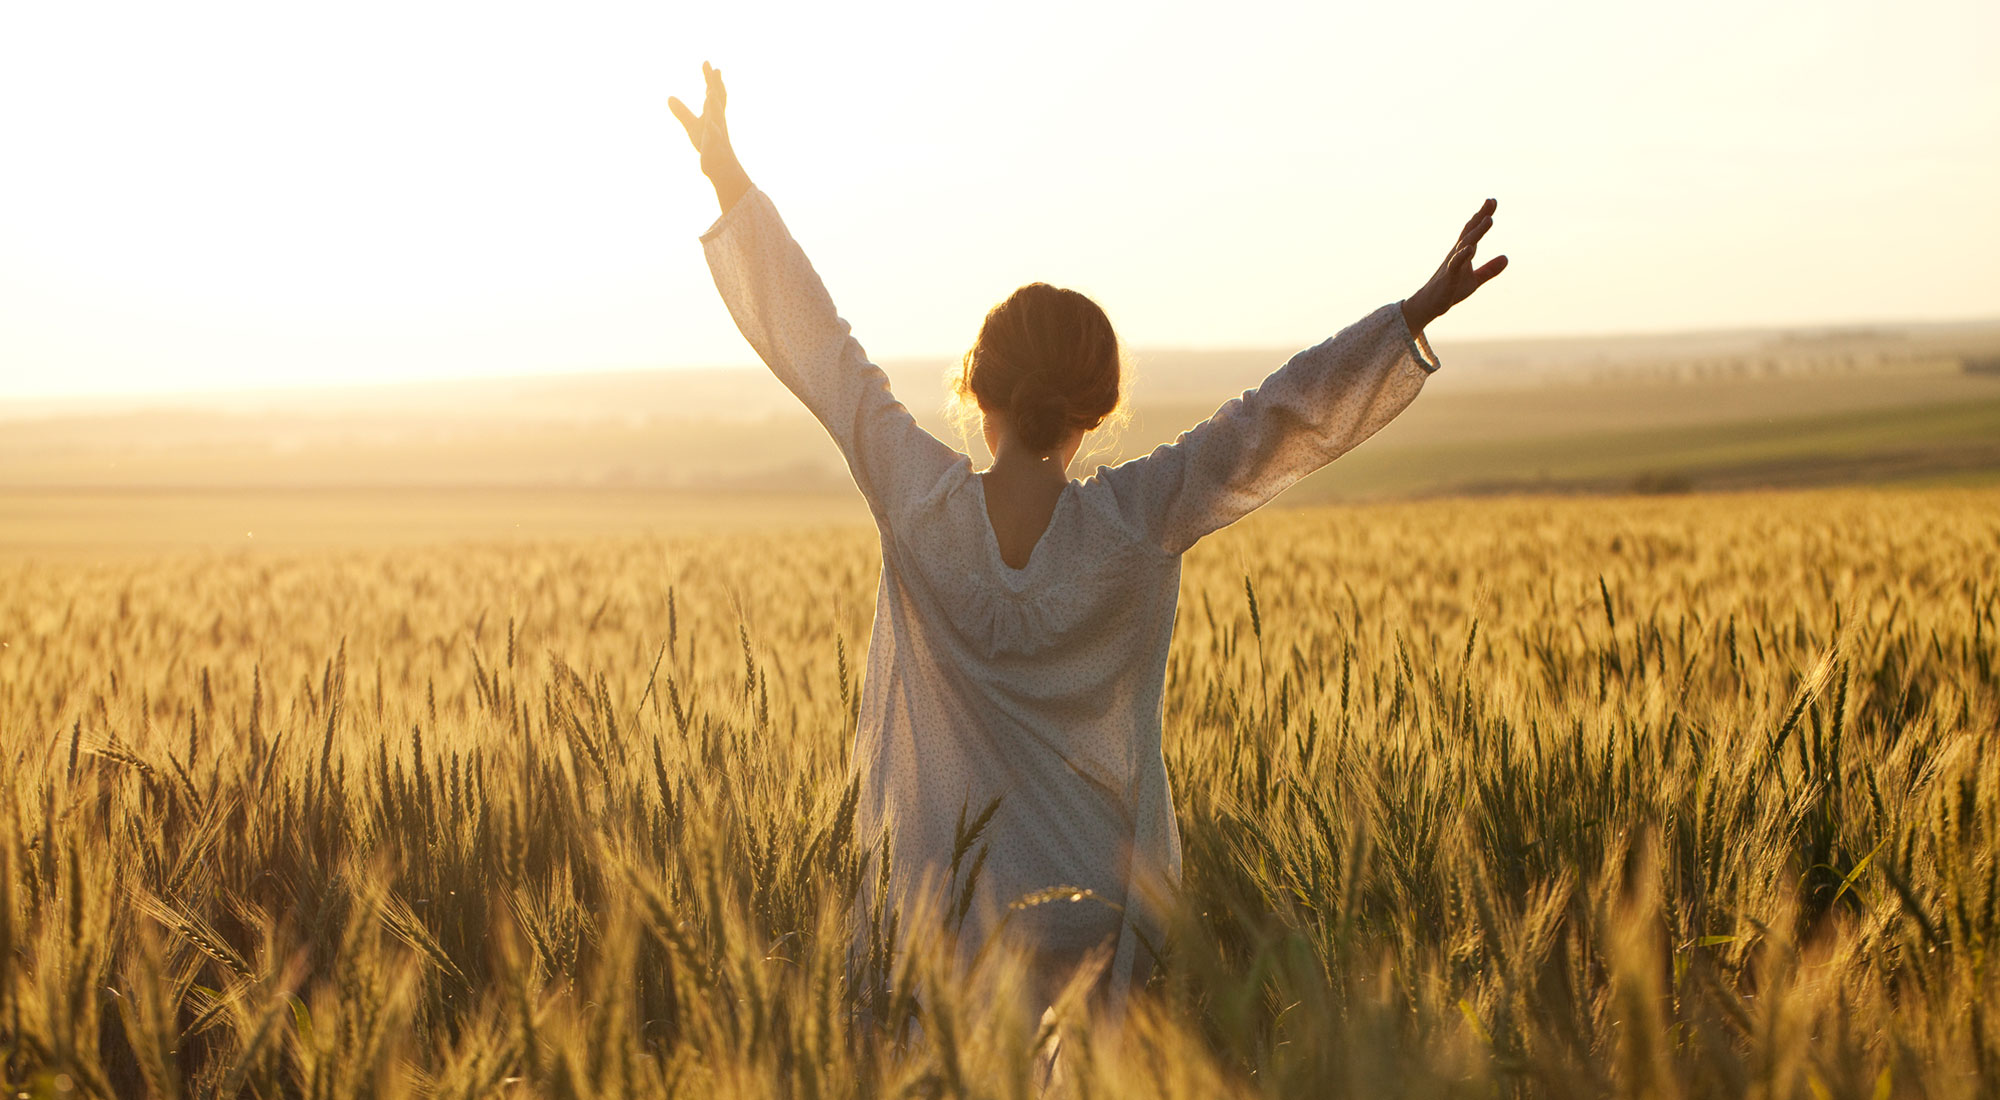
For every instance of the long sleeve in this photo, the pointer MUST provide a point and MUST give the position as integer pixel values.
(783, 310)
(1320, 404)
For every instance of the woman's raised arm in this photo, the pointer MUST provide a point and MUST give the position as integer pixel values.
(1316, 407)
(782, 308)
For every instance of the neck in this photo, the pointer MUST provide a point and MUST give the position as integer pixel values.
(1017, 461)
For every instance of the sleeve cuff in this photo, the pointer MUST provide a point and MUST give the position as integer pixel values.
(1419, 346)
(735, 213)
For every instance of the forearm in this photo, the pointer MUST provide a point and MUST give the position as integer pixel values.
(730, 180)
(1323, 402)
(782, 308)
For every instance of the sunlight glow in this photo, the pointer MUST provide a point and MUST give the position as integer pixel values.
(211, 195)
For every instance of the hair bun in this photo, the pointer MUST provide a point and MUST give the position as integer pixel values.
(1039, 415)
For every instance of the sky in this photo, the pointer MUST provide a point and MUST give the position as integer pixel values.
(205, 196)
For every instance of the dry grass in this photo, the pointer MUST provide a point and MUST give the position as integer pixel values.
(1685, 797)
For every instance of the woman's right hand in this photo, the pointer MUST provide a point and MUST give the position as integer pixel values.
(709, 132)
(1455, 278)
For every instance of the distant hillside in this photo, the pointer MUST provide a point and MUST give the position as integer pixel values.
(1768, 407)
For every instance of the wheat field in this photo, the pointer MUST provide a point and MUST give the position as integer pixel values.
(1660, 797)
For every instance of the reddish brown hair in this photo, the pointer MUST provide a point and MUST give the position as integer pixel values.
(1047, 360)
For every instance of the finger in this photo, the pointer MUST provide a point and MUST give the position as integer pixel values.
(1487, 270)
(1460, 254)
(689, 121)
(1485, 209)
(1468, 242)
(684, 114)
(1474, 232)
(713, 76)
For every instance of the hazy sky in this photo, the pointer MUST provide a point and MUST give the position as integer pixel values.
(204, 195)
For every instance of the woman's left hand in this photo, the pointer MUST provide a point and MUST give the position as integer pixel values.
(1456, 278)
(709, 132)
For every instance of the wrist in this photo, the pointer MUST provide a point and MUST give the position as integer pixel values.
(1415, 316)
(731, 183)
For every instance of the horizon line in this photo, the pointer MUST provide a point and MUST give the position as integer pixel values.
(74, 399)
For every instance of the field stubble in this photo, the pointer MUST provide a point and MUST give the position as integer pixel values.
(1609, 797)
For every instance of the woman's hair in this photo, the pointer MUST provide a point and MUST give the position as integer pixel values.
(1047, 360)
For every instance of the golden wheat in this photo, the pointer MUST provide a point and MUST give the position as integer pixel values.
(1659, 797)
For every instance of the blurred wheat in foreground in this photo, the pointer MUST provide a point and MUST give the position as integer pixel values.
(1666, 797)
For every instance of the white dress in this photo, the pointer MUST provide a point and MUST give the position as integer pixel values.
(1040, 686)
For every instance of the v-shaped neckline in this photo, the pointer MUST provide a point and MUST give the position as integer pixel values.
(993, 537)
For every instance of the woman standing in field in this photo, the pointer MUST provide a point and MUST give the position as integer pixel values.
(1023, 619)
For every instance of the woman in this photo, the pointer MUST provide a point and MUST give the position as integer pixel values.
(1022, 621)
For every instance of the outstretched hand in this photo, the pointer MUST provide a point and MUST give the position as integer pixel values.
(1456, 278)
(709, 133)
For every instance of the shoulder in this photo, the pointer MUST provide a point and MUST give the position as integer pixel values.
(1120, 497)
(945, 477)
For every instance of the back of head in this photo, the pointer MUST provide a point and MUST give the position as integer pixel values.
(1046, 360)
